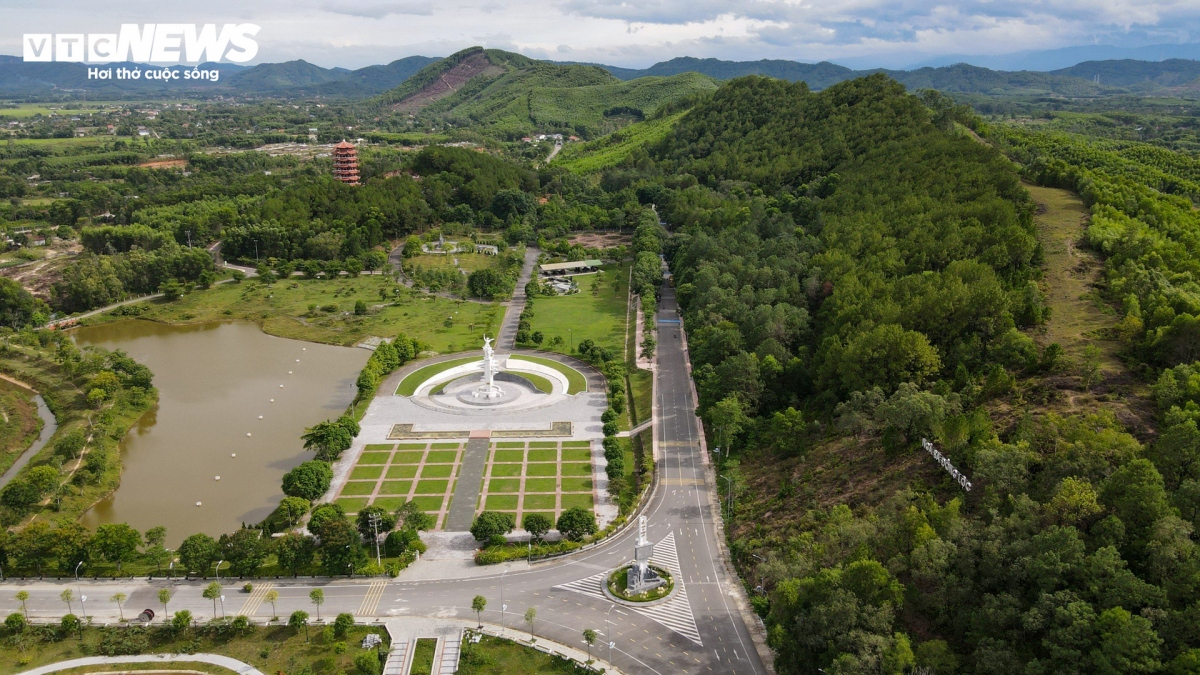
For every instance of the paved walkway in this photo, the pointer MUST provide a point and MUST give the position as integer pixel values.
(506, 338)
(470, 479)
(212, 659)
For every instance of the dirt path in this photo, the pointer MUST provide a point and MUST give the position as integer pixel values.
(1078, 316)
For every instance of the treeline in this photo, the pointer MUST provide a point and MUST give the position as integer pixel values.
(98, 280)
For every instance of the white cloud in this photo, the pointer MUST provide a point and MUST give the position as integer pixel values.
(637, 32)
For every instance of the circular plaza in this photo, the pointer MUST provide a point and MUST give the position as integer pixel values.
(459, 434)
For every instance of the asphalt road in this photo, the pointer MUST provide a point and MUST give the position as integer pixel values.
(700, 631)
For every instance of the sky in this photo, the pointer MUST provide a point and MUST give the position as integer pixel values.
(638, 33)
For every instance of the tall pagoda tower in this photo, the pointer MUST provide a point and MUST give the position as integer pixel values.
(345, 163)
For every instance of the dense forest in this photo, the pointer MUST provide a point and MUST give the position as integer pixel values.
(857, 272)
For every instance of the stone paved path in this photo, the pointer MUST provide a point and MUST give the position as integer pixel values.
(506, 339)
(470, 477)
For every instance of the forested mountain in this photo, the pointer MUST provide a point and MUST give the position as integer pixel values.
(292, 78)
(1137, 75)
(817, 75)
(512, 95)
(857, 274)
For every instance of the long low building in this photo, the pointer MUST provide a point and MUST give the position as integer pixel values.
(577, 267)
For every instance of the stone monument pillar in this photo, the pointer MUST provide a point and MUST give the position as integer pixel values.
(641, 577)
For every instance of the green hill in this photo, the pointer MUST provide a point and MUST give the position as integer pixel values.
(511, 95)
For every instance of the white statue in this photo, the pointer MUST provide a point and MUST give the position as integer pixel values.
(489, 389)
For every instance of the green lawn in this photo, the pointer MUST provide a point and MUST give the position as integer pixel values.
(576, 484)
(539, 382)
(572, 500)
(577, 444)
(269, 649)
(411, 446)
(408, 386)
(422, 661)
(510, 444)
(365, 472)
(374, 458)
(501, 503)
(543, 444)
(466, 261)
(406, 471)
(441, 456)
(533, 502)
(362, 487)
(540, 484)
(506, 470)
(576, 382)
(543, 455)
(504, 485)
(429, 504)
(283, 310)
(508, 456)
(576, 455)
(446, 446)
(437, 471)
(541, 469)
(395, 487)
(407, 457)
(599, 317)
(576, 469)
(389, 503)
(372, 447)
(432, 487)
(352, 504)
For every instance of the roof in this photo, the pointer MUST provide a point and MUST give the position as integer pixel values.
(344, 144)
(570, 265)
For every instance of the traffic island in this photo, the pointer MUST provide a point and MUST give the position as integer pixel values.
(616, 588)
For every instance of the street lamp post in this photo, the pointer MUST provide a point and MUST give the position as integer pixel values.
(219, 563)
(503, 606)
(82, 597)
(762, 577)
(729, 492)
(375, 529)
(608, 631)
(222, 605)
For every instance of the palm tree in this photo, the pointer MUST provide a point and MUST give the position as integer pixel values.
(478, 604)
(23, 596)
(119, 598)
(318, 598)
(271, 597)
(164, 596)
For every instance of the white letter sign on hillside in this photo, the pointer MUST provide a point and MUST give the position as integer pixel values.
(941, 459)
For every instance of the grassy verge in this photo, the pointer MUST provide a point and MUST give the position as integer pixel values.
(501, 656)
(576, 382)
(85, 479)
(408, 386)
(323, 311)
(270, 649)
(597, 312)
(19, 425)
(422, 662)
(543, 385)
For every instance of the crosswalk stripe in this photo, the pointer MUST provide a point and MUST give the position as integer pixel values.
(256, 598)
(675, 614)
(370, 602)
